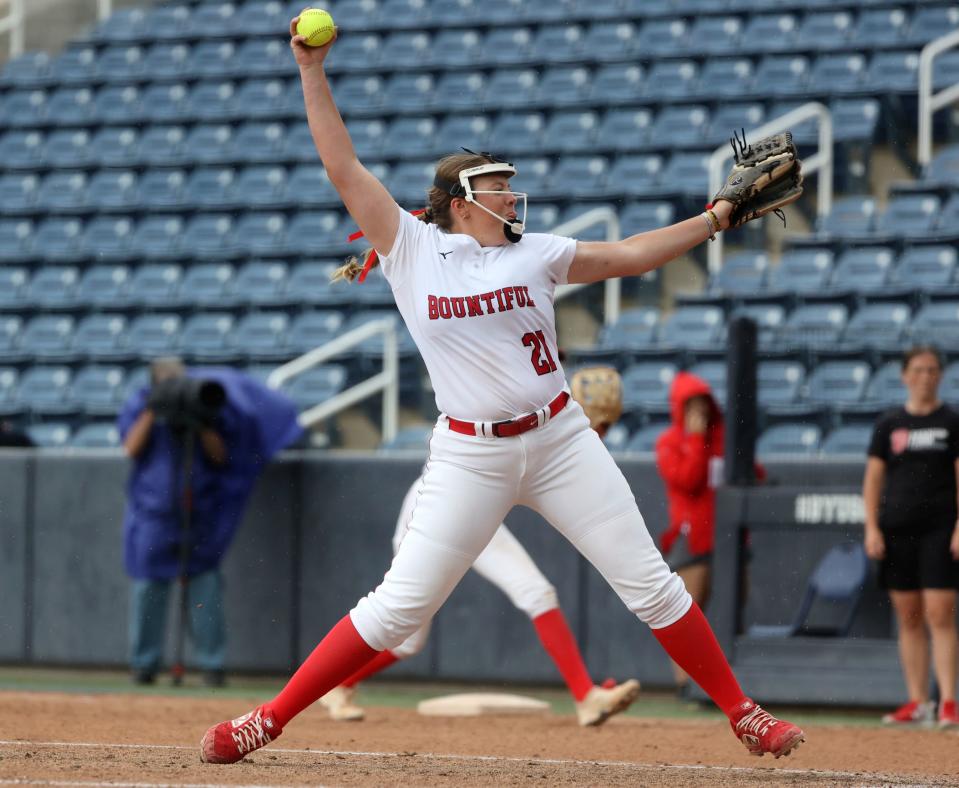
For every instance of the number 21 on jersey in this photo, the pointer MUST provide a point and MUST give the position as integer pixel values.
(540, 354)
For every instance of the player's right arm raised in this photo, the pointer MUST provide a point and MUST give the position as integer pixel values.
(372, 207)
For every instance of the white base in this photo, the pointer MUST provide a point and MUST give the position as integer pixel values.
(474, 704)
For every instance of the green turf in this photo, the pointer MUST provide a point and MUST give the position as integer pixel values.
(652, 703)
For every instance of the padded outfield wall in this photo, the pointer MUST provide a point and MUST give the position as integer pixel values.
(317, 535)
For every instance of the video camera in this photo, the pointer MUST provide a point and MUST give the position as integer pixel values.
(184, 402)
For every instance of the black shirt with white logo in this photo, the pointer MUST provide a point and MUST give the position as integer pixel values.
(920, 453)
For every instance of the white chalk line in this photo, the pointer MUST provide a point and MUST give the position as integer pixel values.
(425, 756)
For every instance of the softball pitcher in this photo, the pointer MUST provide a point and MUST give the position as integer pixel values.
(476, 293)
(504, 562)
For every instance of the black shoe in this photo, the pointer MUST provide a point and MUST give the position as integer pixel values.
(143, 677)
(214, 678)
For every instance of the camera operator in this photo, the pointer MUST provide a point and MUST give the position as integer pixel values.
(198, 441)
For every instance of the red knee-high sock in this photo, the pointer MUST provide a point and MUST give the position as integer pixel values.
(559, 643)
(339, 655)
(380, 662)
(693, 646)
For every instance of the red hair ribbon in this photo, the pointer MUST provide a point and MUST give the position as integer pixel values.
(368, 265)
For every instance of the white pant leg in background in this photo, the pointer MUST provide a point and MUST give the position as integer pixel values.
(572, 480)
(468, 487)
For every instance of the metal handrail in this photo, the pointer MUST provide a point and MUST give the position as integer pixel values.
(15, 22)
(821, 161)
(929, 102)
(386, 381)
(613, 288)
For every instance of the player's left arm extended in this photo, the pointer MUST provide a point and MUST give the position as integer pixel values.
(639, 254)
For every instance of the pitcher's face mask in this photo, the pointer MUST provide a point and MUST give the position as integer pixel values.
(512, 228)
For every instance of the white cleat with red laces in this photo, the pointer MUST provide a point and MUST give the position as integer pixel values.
(231, 741)
(760, 732)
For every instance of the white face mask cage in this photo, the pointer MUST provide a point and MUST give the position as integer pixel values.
(513, 228)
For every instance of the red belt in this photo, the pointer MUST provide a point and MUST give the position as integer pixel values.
(512, 427)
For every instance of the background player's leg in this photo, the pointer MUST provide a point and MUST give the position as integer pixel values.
(507, 565)
(148, 615)
(454, 516)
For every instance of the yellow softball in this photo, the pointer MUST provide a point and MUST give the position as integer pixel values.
(316, 26)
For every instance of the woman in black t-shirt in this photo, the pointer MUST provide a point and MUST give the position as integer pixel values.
(912, 529)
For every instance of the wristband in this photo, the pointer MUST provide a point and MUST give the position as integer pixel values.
(709, 227)
(714, 219)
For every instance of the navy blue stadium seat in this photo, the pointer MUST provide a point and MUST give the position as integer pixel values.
(415, 438)
(467, 12)
(48, 337)
(611, 41)
(262, 336)
(743, 273)
(260, 141)
(75, 65)
(261, 19)
(211, 187)
(11, 327)
(948, 387)
(646, 386)
(580, 176)
(885, 389)
(325, 232)
(943, 169)
(790, 439)
(837, 383)
(730, 76)
(211, 236)
(407, 50)
(693, 327)
(167, 102)
(619, 83)
(96, 435)
(261, 233)
(849, 439)
(358, 47)
(770, 32)
(210, 143)
(164, 145)
(663, 37)
(63, 191)
(69, 148)
(268, 98)
(926, 267)
(49, 434)
(825, 30)
(732, 116)
(26, 108)
(163, 189)
(156, 285)
(58, 240)
(408, 182)
(471, 131)
(532, 176)
(107, 237)
(309, 185)
(782, 75)
(22, 149)
(374, 292)
(208, 285)
(310, 285)
(13, 288)
(644, 439)
(881, 28)
(455, 48)
(45, 389)
(118, 104)
(863, 269)
(365, 94)
(838, 73)
(310, 329)
(937, 323)
(562, 43)
(879, 325)
(112, 190)
(31, 69)
(518, 132)
(102, 337)
(672, 80)
(167, 60)
(372, 347)
(75, 106)
(8, 387)
(205, 337)
(642, 216)
(316, 385)
(16, 240)
(815, 325)
(564, 86)
(930, 22)
(53, 287)
(854, 119)
(716, 35)
(802, 271)
(543, 217)
(121, 63)
(369, 137)
(262, 283)
(459, 90)
(851, 217)
(98, 390)
(154, 335)
(893, 72)
(211, 59)
(624, 130)
(265, 57)
(408, 137)
(125, 24)
(683, 126)
(769, 319)
(508, 46)
(910, 215)
(157, 237)
(571, 131)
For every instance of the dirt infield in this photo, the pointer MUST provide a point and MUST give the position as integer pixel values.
(86, 740)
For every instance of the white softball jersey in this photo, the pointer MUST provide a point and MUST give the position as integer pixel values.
(472, 309)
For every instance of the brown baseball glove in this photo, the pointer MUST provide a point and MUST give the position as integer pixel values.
(599, 390)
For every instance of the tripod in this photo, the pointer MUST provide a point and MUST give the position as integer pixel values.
(183, 579)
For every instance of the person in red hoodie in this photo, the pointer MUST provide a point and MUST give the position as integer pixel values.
(689, 456)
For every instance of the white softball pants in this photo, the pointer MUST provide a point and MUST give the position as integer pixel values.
(503, 562)
(561, 470)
